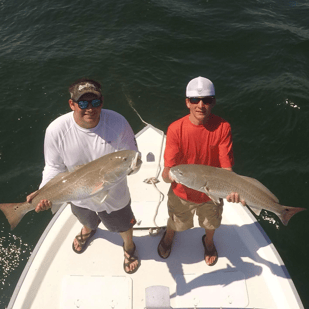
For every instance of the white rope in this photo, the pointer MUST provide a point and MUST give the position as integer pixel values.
(131, 105)
(152, 180)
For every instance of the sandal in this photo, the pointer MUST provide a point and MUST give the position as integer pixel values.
(213, 252)
(83, 241)
(167, 248)
(131, 258)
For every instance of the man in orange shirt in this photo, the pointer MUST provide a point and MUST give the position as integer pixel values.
(198, 138)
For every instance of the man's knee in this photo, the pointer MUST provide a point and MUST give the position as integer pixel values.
(179, 225)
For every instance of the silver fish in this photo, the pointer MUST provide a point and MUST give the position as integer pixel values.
(218, 183)
(84, 182)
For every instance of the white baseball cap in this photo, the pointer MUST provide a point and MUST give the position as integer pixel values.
(200, 87)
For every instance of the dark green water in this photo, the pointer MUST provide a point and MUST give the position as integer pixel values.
(145, 52)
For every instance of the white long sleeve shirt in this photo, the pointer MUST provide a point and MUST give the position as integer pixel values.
(68, 145)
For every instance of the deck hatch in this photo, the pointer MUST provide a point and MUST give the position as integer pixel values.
(96, 292)
(157, 297)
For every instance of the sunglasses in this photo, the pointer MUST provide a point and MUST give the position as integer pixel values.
(206, 100)
(84, 104)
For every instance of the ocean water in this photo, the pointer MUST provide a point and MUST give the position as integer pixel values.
(144, 53)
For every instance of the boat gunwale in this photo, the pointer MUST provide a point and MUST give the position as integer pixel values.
(33, 255)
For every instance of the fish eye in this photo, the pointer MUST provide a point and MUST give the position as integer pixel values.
(124, 159)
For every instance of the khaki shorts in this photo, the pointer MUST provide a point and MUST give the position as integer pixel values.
(181, 213)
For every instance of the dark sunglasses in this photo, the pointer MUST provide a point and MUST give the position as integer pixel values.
(206, 100)
(83, 104)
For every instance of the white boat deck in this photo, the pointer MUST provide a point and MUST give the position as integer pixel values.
(249, 272)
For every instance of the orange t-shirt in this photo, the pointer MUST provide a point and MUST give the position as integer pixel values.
(209, 144)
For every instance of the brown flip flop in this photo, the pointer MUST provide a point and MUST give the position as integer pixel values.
(212, 252)
(167, 248)
(83, 240)
(131, 258)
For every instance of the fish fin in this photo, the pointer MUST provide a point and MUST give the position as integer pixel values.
(56, 207)
(98, 187)
(257, 211)
(13, 212)
(100, 198)
(258, 184)
(214, 198)
(220, 203)
(103, 199)
(288, 212)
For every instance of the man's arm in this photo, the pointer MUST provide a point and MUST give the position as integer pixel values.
(166, 175)
(53, 166)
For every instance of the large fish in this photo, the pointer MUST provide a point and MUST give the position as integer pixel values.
(84, 182)
(218, 183)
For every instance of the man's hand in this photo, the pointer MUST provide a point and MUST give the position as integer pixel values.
(42, 205)
(166, 175)
(235, 198)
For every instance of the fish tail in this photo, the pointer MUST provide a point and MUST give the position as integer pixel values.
(288, 213)
(13, 212)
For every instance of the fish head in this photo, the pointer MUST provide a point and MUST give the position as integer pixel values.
(188, 175)
(136, 164)
(119, 165)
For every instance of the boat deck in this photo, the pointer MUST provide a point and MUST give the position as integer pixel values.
(248, 274)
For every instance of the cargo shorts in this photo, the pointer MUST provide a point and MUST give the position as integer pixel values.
(181, 213)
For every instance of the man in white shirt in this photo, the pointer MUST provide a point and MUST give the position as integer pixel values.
(79, 137)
